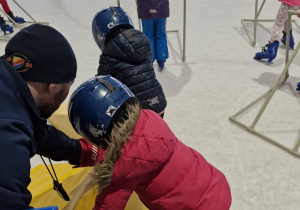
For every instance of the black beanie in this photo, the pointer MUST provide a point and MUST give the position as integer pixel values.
(41, 54)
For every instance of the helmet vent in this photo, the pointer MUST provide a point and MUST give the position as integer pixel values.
(115, 11)
(93, 89)
(109, 87)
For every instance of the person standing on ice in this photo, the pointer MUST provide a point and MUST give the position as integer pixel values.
(153, 14)
(270, 50)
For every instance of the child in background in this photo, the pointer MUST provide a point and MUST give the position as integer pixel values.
(141, 153)
(281, 20)
(126, 55)
(153, 14)
(3, 26)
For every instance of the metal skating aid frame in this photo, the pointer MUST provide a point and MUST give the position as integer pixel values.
(256, 20)
(281, 80)
(183, 45)
(18, 25)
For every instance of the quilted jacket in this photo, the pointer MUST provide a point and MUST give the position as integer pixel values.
(165, 173)
(127, 57)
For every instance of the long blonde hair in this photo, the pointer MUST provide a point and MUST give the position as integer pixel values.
(122, 128)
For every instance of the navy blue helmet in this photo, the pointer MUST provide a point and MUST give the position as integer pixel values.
(106, 21)
(93, 106)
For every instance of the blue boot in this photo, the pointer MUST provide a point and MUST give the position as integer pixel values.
(16, 18)
(283, 39)
(269, 53)
(4, 27)
(298, 86)
(161, 64)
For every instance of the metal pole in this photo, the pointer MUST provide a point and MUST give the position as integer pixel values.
(25, 11)
(255, 24)
(10, 18)
(118, 3)
(275, 86)
(139, 20)
(184, 30)
(295, 149)
(251, 104)
(287, 41)
(262, 5)
(256, 19)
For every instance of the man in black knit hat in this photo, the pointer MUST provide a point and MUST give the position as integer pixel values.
(36, 73)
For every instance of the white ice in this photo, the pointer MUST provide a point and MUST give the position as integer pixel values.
(218, 79)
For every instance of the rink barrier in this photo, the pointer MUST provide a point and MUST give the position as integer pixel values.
(268, 95)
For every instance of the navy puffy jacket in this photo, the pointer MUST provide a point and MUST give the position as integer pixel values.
(127, 57)
(23, 133)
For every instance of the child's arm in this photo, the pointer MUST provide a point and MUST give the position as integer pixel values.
(89, 153)
(112, 197)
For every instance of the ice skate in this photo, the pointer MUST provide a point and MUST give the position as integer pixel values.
(298, 86)
(269, 53)
(4, 27)
(16, 18)
(161, 64)
(283, 39)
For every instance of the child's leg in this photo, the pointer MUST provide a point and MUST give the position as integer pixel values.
(283, 39)
(10, 13)
(279, 22)
(161, 45)
(148, 30)
(5, 6)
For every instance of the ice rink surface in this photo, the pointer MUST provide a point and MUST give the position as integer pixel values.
(218, 79)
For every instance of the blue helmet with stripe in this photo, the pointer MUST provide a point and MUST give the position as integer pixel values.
(93, 106)
(108, 20)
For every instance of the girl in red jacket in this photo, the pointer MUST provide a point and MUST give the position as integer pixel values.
(140, 153)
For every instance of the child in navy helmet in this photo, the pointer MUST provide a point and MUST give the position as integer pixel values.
(140, 153)
(3, 26)
(126, 55)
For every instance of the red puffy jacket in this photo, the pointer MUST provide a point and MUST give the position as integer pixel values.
(165, 173)
(291, 2)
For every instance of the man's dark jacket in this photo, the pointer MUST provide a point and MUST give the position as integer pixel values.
(23, 133)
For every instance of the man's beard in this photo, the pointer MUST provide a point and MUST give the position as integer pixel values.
(47, 109)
